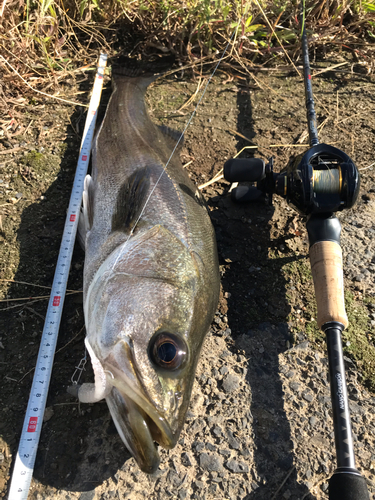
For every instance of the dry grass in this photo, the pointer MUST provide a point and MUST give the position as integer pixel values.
(47, 45)
(52, 37)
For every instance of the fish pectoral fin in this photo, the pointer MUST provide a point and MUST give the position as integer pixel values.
(130, 200)
(91, 393)
(88, 202)
(160, 254)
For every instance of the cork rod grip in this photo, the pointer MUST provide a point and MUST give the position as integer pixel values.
(326, 267)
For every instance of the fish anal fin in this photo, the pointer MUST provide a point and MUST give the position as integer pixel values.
(130, 200)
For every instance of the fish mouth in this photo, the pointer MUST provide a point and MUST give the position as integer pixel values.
(137, 421)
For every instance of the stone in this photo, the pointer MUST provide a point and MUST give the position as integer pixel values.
(198, 446)
(231, 383)
(217, 431)
(226, 453)
(174, 479)
(224, 370)
(211, 462)
(307, 396)
(295, 386)
(236, 466)
(185, 459)
(213, 488)
(233, 443)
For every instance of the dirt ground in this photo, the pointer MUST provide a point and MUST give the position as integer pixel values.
(249, 427)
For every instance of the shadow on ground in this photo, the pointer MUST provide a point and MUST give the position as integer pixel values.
(79, 446)
(257, 316)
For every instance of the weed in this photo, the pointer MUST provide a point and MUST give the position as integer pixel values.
(356, 337)
(39, 162)
(51, 34)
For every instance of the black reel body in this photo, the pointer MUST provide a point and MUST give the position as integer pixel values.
(322, 180)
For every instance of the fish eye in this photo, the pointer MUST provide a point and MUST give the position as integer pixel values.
(168, 351)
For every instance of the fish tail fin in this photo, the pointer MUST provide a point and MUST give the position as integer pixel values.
(132, 68)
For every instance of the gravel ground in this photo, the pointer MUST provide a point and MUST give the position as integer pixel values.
(358, 244)
(259, 425)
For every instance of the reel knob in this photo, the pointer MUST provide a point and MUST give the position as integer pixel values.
(244, 170)
(245, 194)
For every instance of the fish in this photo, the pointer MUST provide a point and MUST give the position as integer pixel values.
(151, 273)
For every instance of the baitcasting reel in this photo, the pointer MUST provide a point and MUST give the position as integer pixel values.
(322, 180)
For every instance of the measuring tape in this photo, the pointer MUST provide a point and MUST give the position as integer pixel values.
(24, 464)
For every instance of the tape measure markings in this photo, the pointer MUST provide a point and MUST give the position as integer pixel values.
(25, 459)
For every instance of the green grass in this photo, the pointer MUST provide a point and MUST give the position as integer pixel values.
(39, 162)
(356, 338)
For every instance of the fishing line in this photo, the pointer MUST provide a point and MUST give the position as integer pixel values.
(178, 142)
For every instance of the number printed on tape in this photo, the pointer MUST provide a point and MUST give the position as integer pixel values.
(56, 301)
(32, 424)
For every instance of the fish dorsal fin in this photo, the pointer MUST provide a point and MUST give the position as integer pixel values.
(130, 200)
(172, 136)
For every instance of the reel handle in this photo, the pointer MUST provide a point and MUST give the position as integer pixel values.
(244, 169)
(245, 194)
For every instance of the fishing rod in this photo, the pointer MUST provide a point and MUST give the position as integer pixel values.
(317, 183)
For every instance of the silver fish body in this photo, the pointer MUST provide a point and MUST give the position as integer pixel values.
(151, 275)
